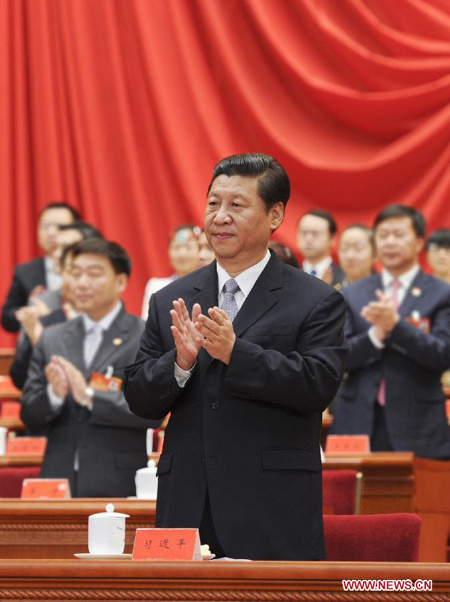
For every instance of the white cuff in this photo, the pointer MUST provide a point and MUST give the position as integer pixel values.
(374, 339)
(182, 376)
(55, 401)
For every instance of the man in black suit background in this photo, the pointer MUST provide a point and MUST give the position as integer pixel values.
(316, 233)
(246, 382)
(74, 381)
(398, 328)
(35, 276)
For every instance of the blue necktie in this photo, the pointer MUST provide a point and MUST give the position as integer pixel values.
(313, 272)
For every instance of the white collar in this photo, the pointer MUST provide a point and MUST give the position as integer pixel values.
(320, 267)
(105, 322)
(49, 263)
(405, 279)
(246, 279)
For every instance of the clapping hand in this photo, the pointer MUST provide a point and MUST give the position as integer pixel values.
(186, 336)
(57, 378)
(382, 314)
(217, 334)
(75, 379)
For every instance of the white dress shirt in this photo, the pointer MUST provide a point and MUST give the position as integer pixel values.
(53, 279)
(320, 267)
(387, 279)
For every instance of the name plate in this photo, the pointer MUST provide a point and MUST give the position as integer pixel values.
(26, 446)
(347, 444)
(167, 544)
(45, 489)
(10, 409)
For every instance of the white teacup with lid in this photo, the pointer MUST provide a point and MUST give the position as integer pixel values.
(147, 482)
(106, 532)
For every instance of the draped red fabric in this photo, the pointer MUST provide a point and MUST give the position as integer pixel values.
(124, 106)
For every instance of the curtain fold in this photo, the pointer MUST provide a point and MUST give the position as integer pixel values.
(123, 107)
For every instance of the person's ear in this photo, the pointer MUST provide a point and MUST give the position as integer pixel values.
(420, 244)
(121, 281)
(276, 215)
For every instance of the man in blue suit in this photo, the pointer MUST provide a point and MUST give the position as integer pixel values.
(245, 353)
(398, 328)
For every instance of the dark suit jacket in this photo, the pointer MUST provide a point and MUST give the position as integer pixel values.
(248, 432)
(411, 364)
(338, 276)
(26, 277)
(24, 349)
(109, 440)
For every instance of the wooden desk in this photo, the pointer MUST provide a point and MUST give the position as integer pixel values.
(387, 483)
(59, 528)
(398, 482)
(6, 359)
(14, 461)
(210, 581)
(12, 424)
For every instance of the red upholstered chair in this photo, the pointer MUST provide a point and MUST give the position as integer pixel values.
(340, 489)
(11, 479)
(376, 537)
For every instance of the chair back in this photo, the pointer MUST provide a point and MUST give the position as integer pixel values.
(373, 537)
(340, 491)
(11, 479)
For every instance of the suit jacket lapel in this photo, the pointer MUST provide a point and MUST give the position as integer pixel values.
(205, 289)
(112, 340)
(410, 300)
(261, 297)
(74, 343)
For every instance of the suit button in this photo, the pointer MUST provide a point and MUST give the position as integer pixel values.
(215, 405)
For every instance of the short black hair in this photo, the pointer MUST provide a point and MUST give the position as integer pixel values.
(365, 229)
(396, 210)
(86, 230)
(332, 226)
(439, 238)
(62, 205)
(117, 256)
(273, 182)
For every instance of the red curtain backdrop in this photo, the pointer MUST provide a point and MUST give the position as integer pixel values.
(123, 107)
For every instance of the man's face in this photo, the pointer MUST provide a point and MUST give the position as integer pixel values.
(398, 245)
(356, 254)
(64, 238)
(95, 286)
(48, 227)
(184, 252)
(237, 223)
(438, 258)
(313, 238)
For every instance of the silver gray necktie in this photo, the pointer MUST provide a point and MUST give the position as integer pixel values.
(92, 342)
(229, 302)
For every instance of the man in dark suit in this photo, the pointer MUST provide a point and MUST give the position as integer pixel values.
(74, 381)
(316, 233)
(50, 307)
(39, 274)
(398, 327)
(246, 382)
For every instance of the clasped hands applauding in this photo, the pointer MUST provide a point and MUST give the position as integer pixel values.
(63, 376)
(382, 314)
(214, 333)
